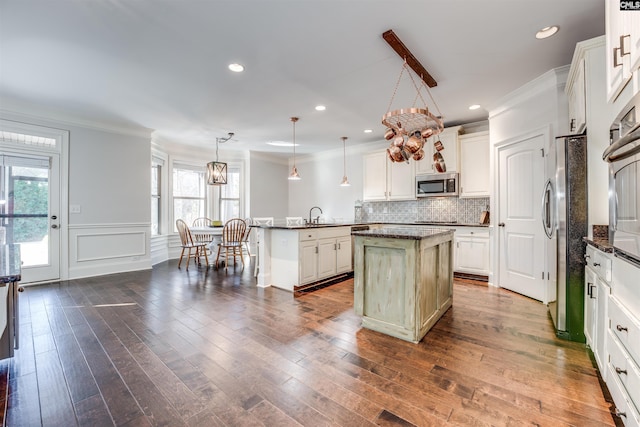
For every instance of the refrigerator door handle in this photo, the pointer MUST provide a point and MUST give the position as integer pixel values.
(547, 215)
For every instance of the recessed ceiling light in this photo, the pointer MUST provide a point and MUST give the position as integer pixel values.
(368, 130)
(474, 106)
(281, 144)
(546, 32)
(236, 68)
(320, 108)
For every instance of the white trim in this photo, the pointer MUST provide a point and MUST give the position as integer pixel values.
(112, 225)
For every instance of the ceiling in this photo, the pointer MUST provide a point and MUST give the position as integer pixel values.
(162, 64)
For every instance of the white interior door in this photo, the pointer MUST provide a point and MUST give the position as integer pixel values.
(30, 212)
(521, 237)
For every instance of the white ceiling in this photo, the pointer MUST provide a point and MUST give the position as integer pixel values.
(162, 64)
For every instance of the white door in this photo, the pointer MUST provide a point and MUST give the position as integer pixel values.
(30, 212)
(521, 237)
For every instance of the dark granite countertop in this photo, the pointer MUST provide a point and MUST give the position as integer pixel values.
(600, 244)
(351, 224)
(403, 233)
(10, 263)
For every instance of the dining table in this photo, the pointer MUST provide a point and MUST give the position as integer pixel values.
(213, 235)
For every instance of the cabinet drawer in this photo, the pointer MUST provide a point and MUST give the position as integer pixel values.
(333, 232)
(624, 407)
(307, 235)
(625, 327)
(600, 262)
(625, 369)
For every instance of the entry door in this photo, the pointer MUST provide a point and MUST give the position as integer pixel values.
(29, 212)
(521, 237)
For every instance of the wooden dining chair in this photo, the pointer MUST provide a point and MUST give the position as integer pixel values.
(232, 241)
(203, 238)
(194, 248)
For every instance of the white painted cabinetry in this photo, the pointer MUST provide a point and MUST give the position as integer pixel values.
(623, 47)
(386, 180)
(474, 164)
(471, 250)
(597, 280)
(297, 257)
(576, 96)
(623, 341)
(449, 138)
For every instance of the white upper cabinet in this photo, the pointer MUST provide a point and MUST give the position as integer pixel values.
(474, 164)
(449, 139)
(384, 180)
(576, 96)
(623, 47)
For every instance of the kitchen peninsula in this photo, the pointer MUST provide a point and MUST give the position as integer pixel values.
(403, 279)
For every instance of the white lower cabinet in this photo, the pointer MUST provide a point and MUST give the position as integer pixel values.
(325, 254)
(471, 251)
(623, 341)
(344, 255)
(308, 266)
(596, 297)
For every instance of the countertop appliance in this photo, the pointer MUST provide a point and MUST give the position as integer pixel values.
(623, 156)
(564, 211)
(437, 184)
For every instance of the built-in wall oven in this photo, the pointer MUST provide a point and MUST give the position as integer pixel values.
(623, 156)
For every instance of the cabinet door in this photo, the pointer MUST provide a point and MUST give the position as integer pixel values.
(577, 101)
(327, 257)
(401, 180)
(474, 164)
(375, 176)
(344, 256)
(472, 254)
(449, 139)
(589, 306)
(634, 39)
(618, 42)
(308, 261)
(600, 323)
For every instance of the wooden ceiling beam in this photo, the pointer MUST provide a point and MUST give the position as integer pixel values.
(397, 45)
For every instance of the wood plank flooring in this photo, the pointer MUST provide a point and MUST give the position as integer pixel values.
(169, 347)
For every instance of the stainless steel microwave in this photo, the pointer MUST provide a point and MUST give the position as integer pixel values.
(623, 156)
(437, 185)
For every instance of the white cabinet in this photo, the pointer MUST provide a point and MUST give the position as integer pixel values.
(326, 252)
(471, 251)
(474, 164)
(386, 180)
(576, 96)
(623, 47)
(597, 279)
(449, 139)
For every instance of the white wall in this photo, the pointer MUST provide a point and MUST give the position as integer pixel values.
(320, 184)
(268, 186)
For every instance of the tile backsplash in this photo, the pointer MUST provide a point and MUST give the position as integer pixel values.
(437, 209)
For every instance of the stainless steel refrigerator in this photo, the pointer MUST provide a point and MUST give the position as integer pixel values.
(564, 217)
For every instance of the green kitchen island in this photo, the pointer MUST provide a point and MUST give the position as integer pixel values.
(403, 279)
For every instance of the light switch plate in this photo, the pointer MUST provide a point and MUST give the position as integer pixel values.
(74, 209)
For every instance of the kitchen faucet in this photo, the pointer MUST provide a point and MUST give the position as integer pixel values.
(315, 221)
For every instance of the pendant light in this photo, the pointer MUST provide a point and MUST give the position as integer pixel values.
(217, 171)
(345, 180)
(294, 176)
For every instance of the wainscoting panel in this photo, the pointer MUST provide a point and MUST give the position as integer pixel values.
(97, 249)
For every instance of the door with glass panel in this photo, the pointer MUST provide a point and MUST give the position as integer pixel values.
(29, 212)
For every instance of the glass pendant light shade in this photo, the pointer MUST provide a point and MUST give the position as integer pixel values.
(294, 176)
(216, 173)
(345, 180)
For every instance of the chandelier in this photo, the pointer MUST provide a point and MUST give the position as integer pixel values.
(408, 128)
(217, 171)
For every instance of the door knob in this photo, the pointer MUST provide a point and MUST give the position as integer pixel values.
(501, 224)
(54, 226)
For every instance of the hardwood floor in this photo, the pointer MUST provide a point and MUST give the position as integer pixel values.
(169, 347)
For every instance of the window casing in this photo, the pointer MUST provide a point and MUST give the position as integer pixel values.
(189, 193)
(157, 166)
(229, 195)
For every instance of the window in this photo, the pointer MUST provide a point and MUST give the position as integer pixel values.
(156, 192)
(230, 195)
(189, 195)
